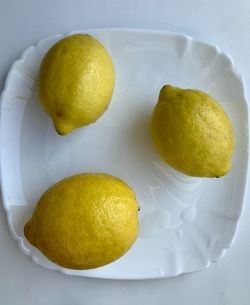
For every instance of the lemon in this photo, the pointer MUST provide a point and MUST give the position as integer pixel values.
(76, 82)
(84, 221)
(192, 132)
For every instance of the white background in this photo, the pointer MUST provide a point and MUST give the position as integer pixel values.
(222, 22)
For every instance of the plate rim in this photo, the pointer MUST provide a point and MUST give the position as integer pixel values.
(245, 175)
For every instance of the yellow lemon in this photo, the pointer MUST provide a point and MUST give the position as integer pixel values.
(76, 82)
(84, 221)
(192, 132)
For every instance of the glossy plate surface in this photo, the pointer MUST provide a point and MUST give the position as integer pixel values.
(185, 223)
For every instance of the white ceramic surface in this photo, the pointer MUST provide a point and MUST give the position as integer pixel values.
(186, 223)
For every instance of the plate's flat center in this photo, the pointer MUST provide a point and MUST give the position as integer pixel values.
(120, 143)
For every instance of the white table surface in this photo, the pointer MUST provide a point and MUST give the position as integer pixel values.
(222, 22)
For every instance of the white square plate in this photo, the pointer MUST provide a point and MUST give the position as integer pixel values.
(185, 223)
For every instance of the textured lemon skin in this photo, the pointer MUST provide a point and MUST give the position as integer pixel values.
(84, 221)
(76, 81)
(192, 132)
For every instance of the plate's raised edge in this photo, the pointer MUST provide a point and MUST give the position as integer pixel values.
(234, 70)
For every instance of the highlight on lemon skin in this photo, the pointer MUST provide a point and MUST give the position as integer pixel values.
(76, 82)
(84, 221)
(192, 132)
